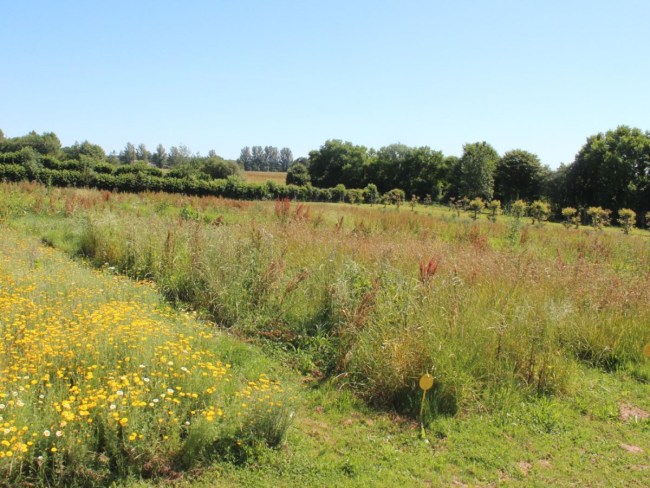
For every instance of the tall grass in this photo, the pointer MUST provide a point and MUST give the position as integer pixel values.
(509, 306)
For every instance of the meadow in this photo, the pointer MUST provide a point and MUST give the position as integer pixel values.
(277, 177)
(535, 336)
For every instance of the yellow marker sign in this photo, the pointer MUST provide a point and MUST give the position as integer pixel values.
(646, 350)
(426, 381)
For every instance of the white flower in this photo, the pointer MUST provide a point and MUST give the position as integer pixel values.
(46, 433)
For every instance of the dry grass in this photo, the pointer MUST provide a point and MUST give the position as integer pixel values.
(505, 305)
(278, 178)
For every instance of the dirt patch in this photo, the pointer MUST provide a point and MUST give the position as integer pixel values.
(631, 448)
(545, 463)
(627, 412)
(524, 467)
(317, 429)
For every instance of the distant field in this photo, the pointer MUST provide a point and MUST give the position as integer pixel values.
(264, 176)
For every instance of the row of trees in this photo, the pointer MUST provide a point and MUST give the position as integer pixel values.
(268, 158)
(612, 169)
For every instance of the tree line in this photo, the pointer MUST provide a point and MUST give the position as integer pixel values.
(610, 171)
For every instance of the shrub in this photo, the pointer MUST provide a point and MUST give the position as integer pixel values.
(396, 196)
(476, 206)
(298, 175)
(355, 196)
(518, 209)
(338, 193)
(571, 217)
(599, 217)
(494, 208)
(539, 211)
(12, 172)
(371, 194)
(626, 217)
(217, 168)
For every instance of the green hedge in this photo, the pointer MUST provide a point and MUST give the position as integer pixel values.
(68, 176)
(26, 165)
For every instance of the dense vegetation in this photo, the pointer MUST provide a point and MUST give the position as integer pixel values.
(611, 172)
(517, 322)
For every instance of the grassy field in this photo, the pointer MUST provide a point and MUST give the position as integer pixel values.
(535, 336)
(264, 176)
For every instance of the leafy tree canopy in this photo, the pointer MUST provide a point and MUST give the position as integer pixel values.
(612, 170)
(475, 171)
(519, 175)
(298, 175)
(338, 162)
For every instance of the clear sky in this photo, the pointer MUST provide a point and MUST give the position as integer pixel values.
(535, 75)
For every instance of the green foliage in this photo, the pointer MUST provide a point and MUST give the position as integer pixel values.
(612, 170)
(45, 144)
(416, 170)
(84, 149)
(476, 170)
(396, 196)
(354, 195)
(518, 209)
(599, 216)
(476, 206)
(571, 217)
(539, 211)
(371, 194)
(298, 175)
(519, 175)
(494, 207)
(339, 193)
(218, 168)
(627, 219)
(338, 162)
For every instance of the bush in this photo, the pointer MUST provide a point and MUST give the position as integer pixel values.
(571, 217)
(355, 196)
(298, 175)
(371, 194)
(396, 196)
(494, 208)
(518, 209)
(103, 168)
(339, 193)
(219, 169)
(539, 211)
(627, 218)
(476, 206)
(12, 172)
(599, 217)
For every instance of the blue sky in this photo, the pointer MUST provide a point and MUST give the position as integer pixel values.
(534, 75)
